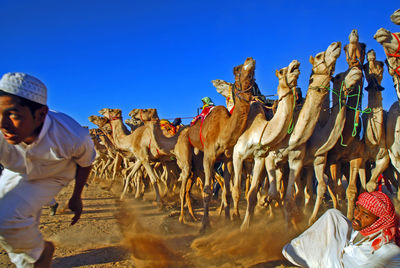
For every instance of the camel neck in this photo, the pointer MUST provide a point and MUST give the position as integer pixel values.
(120, 134)
(280, 122)
(310, 111)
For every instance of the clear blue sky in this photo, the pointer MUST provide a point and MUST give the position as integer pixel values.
(93, 54)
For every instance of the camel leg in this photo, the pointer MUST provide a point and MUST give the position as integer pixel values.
(139, 184)
(295, 167)
(184, 191)
(189, 200)
(351, 192)
(395, 161)
(238, 168)
(380, 165)
(127, 179)
(117, 166)
(226, 191)
(272, 171)
(319, 167)
(154, 181)
(208, 164)
(252, 196)
(308, 190)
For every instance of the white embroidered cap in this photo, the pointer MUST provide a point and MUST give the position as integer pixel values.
(25, 86)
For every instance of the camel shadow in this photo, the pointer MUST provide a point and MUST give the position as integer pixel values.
(92, 257)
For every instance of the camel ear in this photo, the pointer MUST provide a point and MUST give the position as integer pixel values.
(276, 73)
(312, 60)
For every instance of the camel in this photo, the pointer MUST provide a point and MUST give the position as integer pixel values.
(294, 145)
(355, 51)
(371, 149)
(99, 164)
(219, 131)
(137, 143)
(391, 45)
(177, 146)
(144, 115)
(395, 17)
(225, 89)
(260, 135)
(373, 70)
(326, 136)
(322, 71)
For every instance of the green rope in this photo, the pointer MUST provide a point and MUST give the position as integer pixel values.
(340, 107)
(291, 124)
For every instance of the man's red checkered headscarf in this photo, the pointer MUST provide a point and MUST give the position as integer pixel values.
(388, 223)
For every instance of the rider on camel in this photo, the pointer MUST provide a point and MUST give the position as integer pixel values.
(208, 104)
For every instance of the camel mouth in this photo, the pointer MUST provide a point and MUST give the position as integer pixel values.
(382, 35)
(294, 66)
(216, 82)
(334, 50)
(249, 64)
(395, 17)
(353, 77)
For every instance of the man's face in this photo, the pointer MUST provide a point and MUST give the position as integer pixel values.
(362, 218)
(17, 123)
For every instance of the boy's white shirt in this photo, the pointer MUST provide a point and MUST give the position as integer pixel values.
(61, 145)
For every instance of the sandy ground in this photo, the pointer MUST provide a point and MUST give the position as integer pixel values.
(136, 233)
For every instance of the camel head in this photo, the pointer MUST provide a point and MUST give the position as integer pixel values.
(371, 55)
(111, 114)
(391, 44)
(236, 71)
(324, 62)
(386, 39)
(245, 82)
(144, 114)
(293, 73)
(353, 37)
(352, 78)
(133, 123)
(395, 18)
(99, 121)
(287, 76)
(222, 86)
(347, 82)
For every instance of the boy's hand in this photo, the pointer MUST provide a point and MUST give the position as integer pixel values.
(75, 205)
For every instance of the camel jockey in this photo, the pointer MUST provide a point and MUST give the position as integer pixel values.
(168, 127)
(208, 105)
(41, 151)
(371, 239)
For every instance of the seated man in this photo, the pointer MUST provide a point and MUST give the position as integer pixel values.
(371, 240)
(207, 107)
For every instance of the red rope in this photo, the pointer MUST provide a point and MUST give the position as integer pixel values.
(201, 137)
(158, 152)
(396, 54)
(115, 118)
(398, 47)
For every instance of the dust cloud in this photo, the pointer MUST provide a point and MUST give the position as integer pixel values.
(183, 246)
(148, 249)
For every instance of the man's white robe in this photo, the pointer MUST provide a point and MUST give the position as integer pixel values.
(329, 243)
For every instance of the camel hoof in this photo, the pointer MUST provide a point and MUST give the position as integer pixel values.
(204, 228)
(245, 226)
(235, 217)
(195, 218)
(182, 220)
